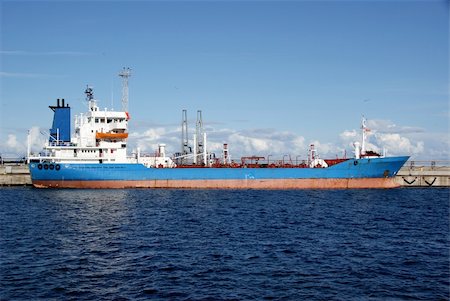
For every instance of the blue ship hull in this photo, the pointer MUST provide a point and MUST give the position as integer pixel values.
(353, 173)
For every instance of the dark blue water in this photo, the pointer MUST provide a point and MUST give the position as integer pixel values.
(224, 245)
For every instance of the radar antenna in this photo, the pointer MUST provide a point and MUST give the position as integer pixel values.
(125, 74)
(89, 93)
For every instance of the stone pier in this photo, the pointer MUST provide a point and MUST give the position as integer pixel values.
(424, 174)
(14, 175)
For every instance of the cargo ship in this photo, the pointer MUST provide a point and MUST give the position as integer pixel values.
(95, 156)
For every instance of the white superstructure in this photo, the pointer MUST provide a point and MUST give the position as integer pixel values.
(100, 136)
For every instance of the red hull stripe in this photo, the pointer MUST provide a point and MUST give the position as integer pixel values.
(228, 184)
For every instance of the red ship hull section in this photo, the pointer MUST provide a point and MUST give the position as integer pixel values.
(227, 184)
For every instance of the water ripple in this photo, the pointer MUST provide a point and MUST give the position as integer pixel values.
(224, 245)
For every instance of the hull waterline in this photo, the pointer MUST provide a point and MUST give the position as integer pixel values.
(226, 184)
(350, 174)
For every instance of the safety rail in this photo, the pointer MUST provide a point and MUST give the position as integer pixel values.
(11, 160)
(426, 163)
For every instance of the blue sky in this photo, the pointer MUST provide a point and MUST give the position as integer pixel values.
(270, 76)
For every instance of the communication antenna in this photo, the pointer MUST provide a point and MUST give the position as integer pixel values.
(125, 74)
(90, 98)
(89, 93)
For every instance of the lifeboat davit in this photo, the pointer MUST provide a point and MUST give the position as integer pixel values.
(113, 136)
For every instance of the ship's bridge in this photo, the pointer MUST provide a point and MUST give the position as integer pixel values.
(113, 121)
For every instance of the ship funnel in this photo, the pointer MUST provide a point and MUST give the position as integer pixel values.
(60, 131)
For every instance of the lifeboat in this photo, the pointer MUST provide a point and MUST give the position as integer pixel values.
(112, 136)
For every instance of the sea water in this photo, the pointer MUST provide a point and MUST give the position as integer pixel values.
(224, 244)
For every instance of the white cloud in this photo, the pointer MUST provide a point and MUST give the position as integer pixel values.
(408, 140)
(387, 126)
(400, 145)
(16, 144)
(436, 146)
(401, 140)
(298, 143)
(260, 142)
(264, 142)
(349, 137)
(12, 143)
(148, 140)
(12, 147)
(249, 144)
(37, 140)
(346, 135)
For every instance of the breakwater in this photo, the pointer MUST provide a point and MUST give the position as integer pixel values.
(413, 174)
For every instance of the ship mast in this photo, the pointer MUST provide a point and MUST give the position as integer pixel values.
(364, 135)
(125, 74)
